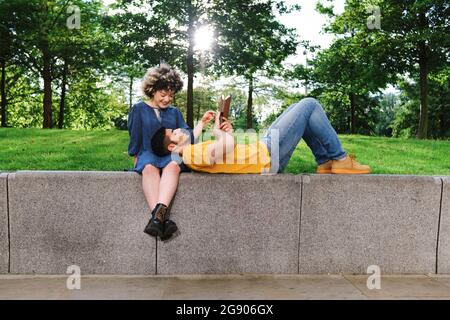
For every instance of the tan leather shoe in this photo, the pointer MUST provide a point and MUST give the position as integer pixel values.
(325, 167)
(349, 166)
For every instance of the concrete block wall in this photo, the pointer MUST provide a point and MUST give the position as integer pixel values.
(444, 234)
(228, 224)
(351, 222)
(94, 220)
(4, 234)
(234, 224)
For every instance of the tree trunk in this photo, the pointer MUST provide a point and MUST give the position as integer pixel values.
(352, 98)
(46, 73)
(423, 77)
(190, 70)
(131, 91)
(3, 93)
(198, 113)
(62, 101)
(423, 66)
(250, 103)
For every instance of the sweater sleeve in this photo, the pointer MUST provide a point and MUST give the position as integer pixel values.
(135, 131)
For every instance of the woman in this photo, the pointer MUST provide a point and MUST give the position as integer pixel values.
(159, 174)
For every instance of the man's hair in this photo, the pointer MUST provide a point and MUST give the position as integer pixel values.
(161, 78)
(160, 143)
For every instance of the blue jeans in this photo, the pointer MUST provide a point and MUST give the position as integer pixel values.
(305, 119)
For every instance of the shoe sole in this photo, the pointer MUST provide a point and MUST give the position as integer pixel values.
(169, 232)
(153, 232)
(323, 171)
(349, 171)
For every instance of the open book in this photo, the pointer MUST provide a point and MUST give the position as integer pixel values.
(224, 107)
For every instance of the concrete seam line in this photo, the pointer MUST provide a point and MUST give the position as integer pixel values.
(299, 223)
(9, 224)
(156, 256)
(439, 226)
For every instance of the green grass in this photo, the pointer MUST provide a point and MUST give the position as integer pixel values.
(38, 149)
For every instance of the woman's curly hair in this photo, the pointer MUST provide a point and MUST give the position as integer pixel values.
(161, 78)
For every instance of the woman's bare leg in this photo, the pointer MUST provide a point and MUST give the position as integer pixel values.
(150, 184)
(168, 183)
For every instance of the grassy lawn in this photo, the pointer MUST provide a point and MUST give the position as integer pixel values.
(38, 149)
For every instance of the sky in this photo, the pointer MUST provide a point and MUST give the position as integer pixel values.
(309, 23)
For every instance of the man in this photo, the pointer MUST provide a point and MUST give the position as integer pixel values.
(305, 119)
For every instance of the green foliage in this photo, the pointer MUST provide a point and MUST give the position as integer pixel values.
(98, 107)
(249, 37)
(406, 122)
(205, 98)
(407, 114)
(98, 64)
(363, 59)
(385, 115)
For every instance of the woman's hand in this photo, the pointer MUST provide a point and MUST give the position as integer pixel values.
(207, 117)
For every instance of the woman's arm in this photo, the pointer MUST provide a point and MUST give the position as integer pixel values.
(207, 117)
(135, 132)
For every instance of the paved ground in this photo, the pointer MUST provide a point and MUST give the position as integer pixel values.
(289, 287)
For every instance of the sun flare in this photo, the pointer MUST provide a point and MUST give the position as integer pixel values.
(204, 37)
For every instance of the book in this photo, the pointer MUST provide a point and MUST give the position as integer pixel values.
(224, 107)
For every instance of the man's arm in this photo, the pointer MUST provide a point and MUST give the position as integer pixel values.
(224, 143)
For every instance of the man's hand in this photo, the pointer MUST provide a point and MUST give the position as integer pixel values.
(221, 128)
(226, 126)
(224, 140)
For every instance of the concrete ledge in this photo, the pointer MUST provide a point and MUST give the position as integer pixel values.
(444, 233)
(229, 224)
(351, 222)
(234, 224)
(4, 241)
(91, 219)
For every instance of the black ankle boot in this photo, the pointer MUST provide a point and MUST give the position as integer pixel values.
(170, 228)
(155, 227)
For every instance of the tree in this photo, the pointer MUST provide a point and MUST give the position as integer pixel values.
(129, 51)
(44, 46)
(250, 41)
(347, 68)
(407, 114)
(171, 26)
(12, 13)
(79, 52)
(411, 39)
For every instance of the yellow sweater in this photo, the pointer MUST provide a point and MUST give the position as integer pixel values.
(245, 158)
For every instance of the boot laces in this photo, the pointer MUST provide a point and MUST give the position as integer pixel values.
(161, 214)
